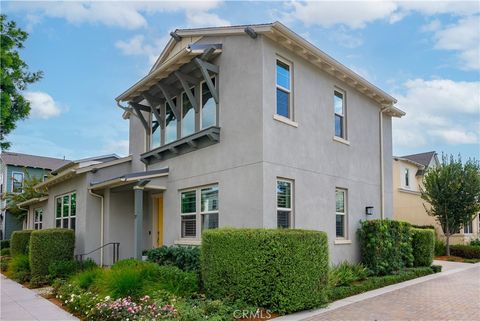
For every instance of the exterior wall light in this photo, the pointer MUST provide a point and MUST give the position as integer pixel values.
(369, 210)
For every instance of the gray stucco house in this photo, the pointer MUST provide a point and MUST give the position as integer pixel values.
(244, 126)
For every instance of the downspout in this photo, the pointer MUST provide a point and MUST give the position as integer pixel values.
(102, 241)
(382, 169)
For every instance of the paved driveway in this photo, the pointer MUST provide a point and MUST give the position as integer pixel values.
(452, 297)
(19, 303)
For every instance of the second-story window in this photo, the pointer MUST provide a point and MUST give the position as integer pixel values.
(407, 177)
(17, 182)
(155, 132)
(170, 123)
(209, 107)
(339, 107)
(188, 116)
(284, 82)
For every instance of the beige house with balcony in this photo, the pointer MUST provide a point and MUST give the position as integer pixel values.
(408, 206)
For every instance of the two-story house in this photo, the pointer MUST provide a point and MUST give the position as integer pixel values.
(14, 168)
(408, 206)
(243, 126)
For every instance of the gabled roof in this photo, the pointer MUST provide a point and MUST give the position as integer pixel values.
(33, 161)
(168, 62)
(423, 158)
(87, 162)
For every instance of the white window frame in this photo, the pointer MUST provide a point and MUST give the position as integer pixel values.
(37, 224)
(289, 91)
(468, 228)
(69, 217)
(200, 100)
(13, 179)
(343, 115)
(344, 213)
(198, 210)
(292, 195)
(406, 177)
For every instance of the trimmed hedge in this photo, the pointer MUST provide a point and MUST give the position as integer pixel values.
(281, 269)
(186, 258)
(4, 244)
(386, 245)
(423, 246)
(465, 251)
(48, 246)
(376, 282)
(19, 242)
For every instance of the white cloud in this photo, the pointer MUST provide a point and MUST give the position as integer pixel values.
(124, 14)
(438, 111)
(138, 46)
(42, 105)
(464, 37)
(346, 39)
(197, 19)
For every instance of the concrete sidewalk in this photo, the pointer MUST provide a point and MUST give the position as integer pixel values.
(19, 303)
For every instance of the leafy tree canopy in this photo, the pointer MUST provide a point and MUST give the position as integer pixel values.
(453, 192)
(14, 78)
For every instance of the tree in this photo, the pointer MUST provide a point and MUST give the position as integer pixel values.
(453, 192)
(28, 192)
(14, 78)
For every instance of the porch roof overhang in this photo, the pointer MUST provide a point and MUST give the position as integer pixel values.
(33, 201)
(171, 65)
(131, 178)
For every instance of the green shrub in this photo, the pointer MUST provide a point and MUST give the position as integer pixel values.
(440, 248)
(281, 269)
(186, 258)
(4, 260)
(86, 265)
(4, 244)
(385, 245)
(48, 246)
(346, 273)
(376, 282)
(176, 281)
(19, 268)
(475, 242)
(5, 252)
(423, 246)
(62, 269)
(436, 268)
(87, 278)
(465, 251)
(20, 242)
(429, 227)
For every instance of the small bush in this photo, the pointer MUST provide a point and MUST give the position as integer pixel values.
(87, 278)
(385, 245)
(423, 245)
(346, 273)
(465, 251)
(48, 246)
(186, 258)
(285, 270)
(62, 269)
(475, 242)
(4, 260)
(19, 268)
(86, 265)
(5, 252)
(20, 242)
(4, 244)
(176, 281)
(436, 268)
(440, 248)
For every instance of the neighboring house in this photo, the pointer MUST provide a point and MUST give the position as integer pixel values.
(408, 173)
(243, 126)
(14, 168)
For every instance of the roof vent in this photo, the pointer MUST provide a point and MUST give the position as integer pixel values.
(249, 31)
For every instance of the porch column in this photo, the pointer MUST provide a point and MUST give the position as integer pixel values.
(137, 242)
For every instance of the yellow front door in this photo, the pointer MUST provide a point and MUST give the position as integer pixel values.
(160, 221)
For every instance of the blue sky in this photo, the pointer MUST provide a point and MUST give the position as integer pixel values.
(426, 54)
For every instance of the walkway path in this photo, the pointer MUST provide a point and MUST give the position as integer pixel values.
(19, 303)
(453, 295)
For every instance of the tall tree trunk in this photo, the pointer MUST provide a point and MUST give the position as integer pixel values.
(448, 244)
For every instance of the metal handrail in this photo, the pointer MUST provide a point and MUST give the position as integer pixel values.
(116, 252)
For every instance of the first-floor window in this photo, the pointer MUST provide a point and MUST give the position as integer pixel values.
(38, 218)
(284, 203)
(66, 210)
(468, 228)
(341, 213)
(199, 207)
